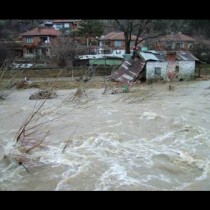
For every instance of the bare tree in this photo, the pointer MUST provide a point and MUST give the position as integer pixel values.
(201, 48)
(144, 29)
(149, 29)
(177, 25)
(109, 26)
(7, 77)
(63, 51)
(6, 54)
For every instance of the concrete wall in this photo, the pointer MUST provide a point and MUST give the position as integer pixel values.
(186, 68)
(150, 69)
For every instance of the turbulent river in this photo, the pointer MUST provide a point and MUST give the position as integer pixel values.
(148, 139)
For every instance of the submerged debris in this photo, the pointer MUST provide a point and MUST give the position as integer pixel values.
(21, 85)
(3, 95)
(80, 92)
(136, 97)
(43, 94)
(171, 88)
(24, 84)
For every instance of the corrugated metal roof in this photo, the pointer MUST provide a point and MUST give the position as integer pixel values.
(162, 56)
(152, 55)
(148, 56)
(185, 56)
(128, 71)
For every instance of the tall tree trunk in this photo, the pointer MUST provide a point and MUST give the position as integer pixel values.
(127, 47)
(127, 43)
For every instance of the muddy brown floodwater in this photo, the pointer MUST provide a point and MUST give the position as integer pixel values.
(148, 139)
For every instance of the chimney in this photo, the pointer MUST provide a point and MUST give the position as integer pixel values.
(171, 56)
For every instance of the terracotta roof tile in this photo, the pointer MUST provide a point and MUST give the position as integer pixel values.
(116, 36)
(177, 37)
(42, 32)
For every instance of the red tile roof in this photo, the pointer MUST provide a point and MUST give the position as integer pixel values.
(42, 32)
(176, 37)
(116, 36)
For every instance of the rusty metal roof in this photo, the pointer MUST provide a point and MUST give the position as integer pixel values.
(162, 56)
(128, 71)
(185, 56)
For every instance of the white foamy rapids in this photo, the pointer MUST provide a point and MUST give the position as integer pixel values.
(118, 178)
(149, 115)
(104, 155)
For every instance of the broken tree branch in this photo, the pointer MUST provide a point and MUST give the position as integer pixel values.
(69, 140)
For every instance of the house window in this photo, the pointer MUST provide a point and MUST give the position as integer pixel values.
(117, 43)
(44, 39)
(157, 71)
(190, 45)
(58, 26)
(170, 45)
(179, 45)
(29, 40)
(66, 25)
(102, 44)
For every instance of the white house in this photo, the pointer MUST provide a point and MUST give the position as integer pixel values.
(154, 64)
(169, 65)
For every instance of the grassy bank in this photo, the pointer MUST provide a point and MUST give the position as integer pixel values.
(52, 73)
(67, 78)
(56, 78)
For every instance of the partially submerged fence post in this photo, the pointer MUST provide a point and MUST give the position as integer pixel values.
(72, 74)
